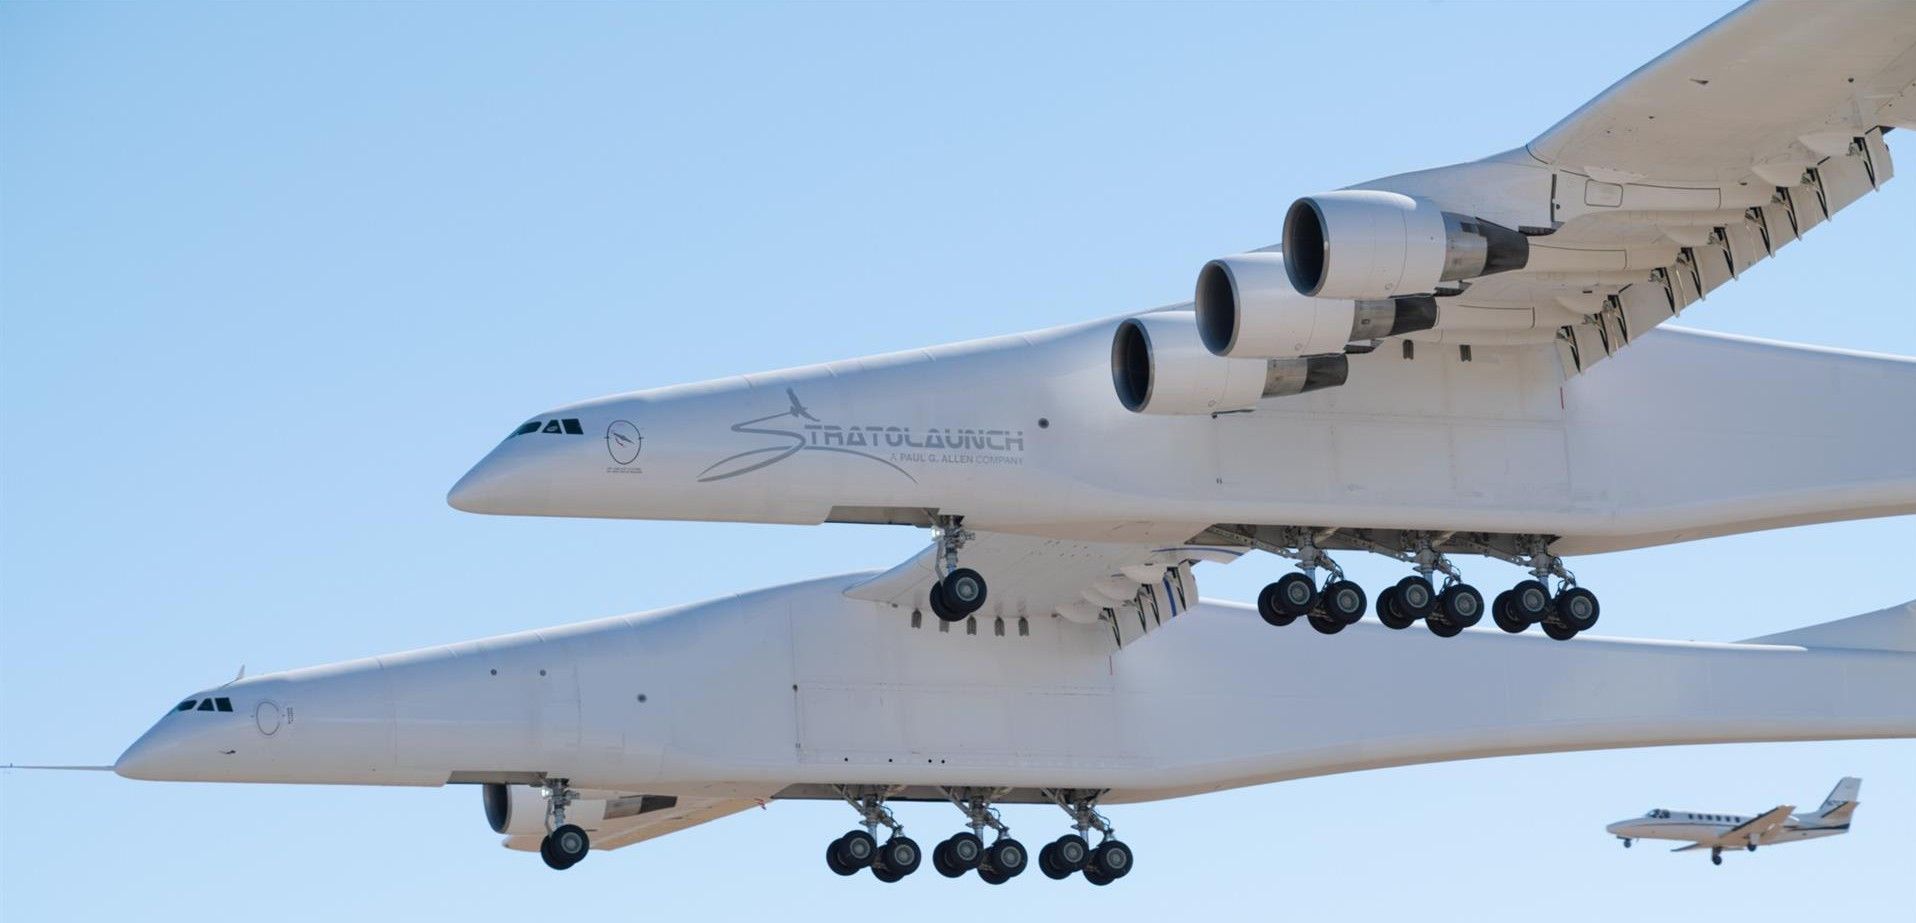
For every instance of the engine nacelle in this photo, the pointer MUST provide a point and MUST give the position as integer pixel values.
(520, 810)
(1365, 244)
(1159, 366)
(1247, 308)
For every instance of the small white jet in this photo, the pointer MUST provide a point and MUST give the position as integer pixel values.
(1718, 832)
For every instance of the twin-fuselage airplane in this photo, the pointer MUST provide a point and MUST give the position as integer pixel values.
(1718, 832)
(1458, 361)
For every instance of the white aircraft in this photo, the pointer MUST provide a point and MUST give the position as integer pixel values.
(1464, 360)
(1718, 832)
(608, 733)
(1412, 376)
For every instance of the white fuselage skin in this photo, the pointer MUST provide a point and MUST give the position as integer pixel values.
(747, 695)
(1681, 436)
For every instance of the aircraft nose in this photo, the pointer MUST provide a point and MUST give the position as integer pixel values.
(161, 754)
(497, 486)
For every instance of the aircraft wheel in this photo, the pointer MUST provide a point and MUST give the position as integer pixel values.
(1578, 607)
(1626, 843)
(1529, 601)
(1441, 626)
(886, 875)
(836, 864)
(1389, 614)
(564, 847)
(1344, 601)
(1557, 630)
(992, 876)
(1006, 857)
(1751, 847)
(899, 856)
(1505, 619)
(1267, 607)
(935, 597)
(1716, 858)
(553, 860)
(964, 590)
(1461, 604)
(1325, 624)
(1296, 595)
(1091, 874)
(1415, 597)
(1112, 859)
(962, 853)
(855, 849)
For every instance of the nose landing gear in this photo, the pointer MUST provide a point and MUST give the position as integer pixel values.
(959, 591)
(566, 844)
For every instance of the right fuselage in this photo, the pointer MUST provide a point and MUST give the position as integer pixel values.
(1682, 436)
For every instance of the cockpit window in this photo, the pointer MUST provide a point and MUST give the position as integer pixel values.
(186, 705)
(206, 705)
(569, 426)
(224, 703)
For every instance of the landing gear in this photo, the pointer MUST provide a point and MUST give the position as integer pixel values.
(1716, 856)
(1101, 865)
(959, 591)
(1626, 841)
(1563, 614)
(998, 861)
(1296, 594)
(566, 844)
(889, 861)
(1459, 606)
(1751, 847)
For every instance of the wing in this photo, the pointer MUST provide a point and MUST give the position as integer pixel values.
(1682, 175)
(649, 821)
(1124, 589)
(1756, 827)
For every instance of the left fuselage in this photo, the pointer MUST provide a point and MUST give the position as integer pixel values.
(753, 695)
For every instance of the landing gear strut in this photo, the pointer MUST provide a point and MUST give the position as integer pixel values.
(889, 861)
(998, 862)
(959, 591)
(1716, 856)
(1101, 865)
(565, 844)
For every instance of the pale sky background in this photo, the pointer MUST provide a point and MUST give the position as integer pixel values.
(273, 276)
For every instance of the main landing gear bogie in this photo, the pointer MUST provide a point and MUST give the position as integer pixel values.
(1445, 609)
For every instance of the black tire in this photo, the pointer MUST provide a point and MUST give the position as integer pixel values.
(963, 852)
(992, 876)
(935, 597)
(569, 844)
(1751, 847)
(553, 860)
(1326, 625)
(1296, 594)
(1096, 877)
(1529, 601)
(1387, 612)
(899, 855)
(1267, 607)
(1006, 857)
(941, 860)
(1716, 859)
(1500, 612)
(1461, 604)
(1416, 597)
(1441, 626)
(964, 590)
(1344, 601)
(832, 861)
(1112, 859)
(1557, 630)
(856, 849)
(1069, 853)
(886, 875)
(1578, 608)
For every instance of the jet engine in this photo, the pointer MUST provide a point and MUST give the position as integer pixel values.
(1158, 366)
(1366, 244)
(1246, 308)
(520, 810)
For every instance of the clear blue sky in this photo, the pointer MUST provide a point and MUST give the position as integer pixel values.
(273, 276)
